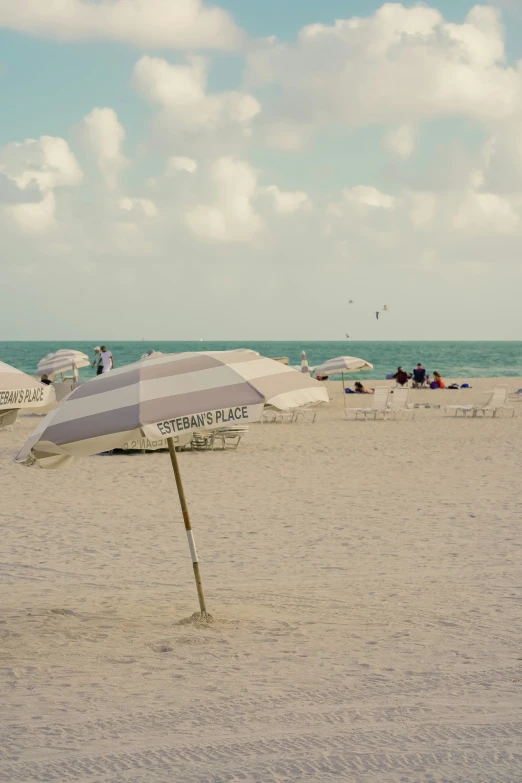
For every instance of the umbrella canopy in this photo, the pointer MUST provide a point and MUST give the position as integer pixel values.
(166, 394)
(18, 390)
(163, 396)
(62, 361)
(342, 364)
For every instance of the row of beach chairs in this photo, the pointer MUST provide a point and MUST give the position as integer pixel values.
(397, 404)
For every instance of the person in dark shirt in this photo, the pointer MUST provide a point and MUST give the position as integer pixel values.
(419, 375)
(401, 376)
(360, 389)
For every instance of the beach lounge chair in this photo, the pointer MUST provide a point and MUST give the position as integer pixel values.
(229, 437)
(270, 416)
(379, 404)
(496, 403)
(399, 403)
(306, 414)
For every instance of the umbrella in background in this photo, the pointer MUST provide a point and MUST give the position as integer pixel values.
(62, 361)
(304, 363)
(18, 390)
(340, 365)
(162, 396)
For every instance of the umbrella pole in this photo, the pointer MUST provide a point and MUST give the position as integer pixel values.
(344, 393)
(188, 526)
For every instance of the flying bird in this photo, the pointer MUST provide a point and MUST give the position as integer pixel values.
(377, 314)
(385, 309)
(350, 301)
(347, 336)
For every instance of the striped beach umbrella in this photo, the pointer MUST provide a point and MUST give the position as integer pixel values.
(341, 365)
(18, 390)
(163, 396)
(62, 361)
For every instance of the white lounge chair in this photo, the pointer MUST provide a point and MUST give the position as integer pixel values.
(229, 437)
(308, 415)
(399, 403)
(379, 404)
(271, 415)
(496, 403)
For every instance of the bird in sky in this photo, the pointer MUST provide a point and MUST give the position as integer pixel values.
(385, 308)
(347, 336)
(377, 314)
(350, 301)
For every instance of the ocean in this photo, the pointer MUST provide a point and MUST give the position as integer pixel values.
(450, 359)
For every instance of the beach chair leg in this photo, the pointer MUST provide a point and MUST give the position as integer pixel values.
(188, 528)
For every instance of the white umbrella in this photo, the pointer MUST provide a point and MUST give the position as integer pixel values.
(340, 365)
(62, 361)
(18, 390)
(163, 396)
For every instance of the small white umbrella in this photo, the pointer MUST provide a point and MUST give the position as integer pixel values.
(18, 390)
(340, 365)
(163, 396)
(62, 361)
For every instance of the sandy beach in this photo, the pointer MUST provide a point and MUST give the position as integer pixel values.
(365, 583)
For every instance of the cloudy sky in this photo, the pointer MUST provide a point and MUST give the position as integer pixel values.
(175, 170)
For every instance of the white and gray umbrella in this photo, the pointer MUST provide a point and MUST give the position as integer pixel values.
(341, 365)
(162, 396)
(18, 390)
(62, 361)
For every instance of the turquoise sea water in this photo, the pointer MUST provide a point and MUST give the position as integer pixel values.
(451, 359)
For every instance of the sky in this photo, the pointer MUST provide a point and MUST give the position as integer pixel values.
(176, 170)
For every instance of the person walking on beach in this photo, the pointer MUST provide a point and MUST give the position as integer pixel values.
(97, 360)
(106, 360)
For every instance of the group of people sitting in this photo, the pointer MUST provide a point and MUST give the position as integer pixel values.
(419, 378)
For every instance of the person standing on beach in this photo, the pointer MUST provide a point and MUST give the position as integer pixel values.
(106, 360)
(97, 360)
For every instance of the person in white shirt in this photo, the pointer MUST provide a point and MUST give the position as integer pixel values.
(97, 360)
(106, 360)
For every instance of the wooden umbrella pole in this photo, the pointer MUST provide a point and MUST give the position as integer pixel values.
(188, 526)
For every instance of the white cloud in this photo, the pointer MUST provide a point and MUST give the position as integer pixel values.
(166, 24)
(287, 202)
(401, 141)
(187, 109)
(11, 193)
(104, 135)
(175, 164)
(47, 161)
(32, 170)
(138, 206)
(396, 67)
(488, 213)
(364, 197)
(421, 208)
(285, 135)
(230, 217)
(35, 218)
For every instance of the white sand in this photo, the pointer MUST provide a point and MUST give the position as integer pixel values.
(366, 583)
